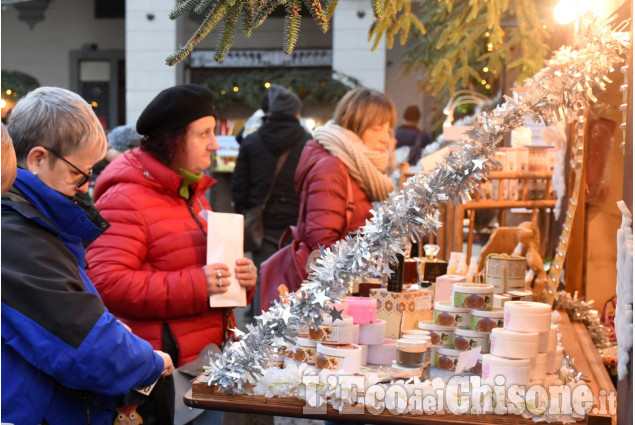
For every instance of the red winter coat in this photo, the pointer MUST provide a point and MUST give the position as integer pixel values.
(323, 177)
(148, 265)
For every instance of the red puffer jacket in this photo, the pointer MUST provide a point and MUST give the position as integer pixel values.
(148, 265)
(325, 178)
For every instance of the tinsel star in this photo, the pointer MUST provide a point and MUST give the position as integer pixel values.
(335, 314)
(320, 298)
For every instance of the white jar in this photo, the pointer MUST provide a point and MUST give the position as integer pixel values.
(538, 368)
(486, 320)
(441, 336)
(514, 345)
(479, 296)
(338, 332)
(339, 357)
(372, 333)
(382, 354)
(305, 350)
(527, 316)
(515, 371)
(398, 371)
(466, 339)
(446, 314)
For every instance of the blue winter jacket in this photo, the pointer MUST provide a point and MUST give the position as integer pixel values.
(64, 356)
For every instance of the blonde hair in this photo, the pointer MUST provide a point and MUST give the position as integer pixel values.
(55, 118)
(9, 162)
(363, 108)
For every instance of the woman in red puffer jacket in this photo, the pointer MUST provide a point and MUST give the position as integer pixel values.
(354, 146)
(150, 265)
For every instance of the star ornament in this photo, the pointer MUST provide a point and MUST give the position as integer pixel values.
(336, 314)
(321, 298)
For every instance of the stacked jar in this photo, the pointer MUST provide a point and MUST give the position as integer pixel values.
(413, 355)
(334, 348)
(371, 336)
(515, 349)
(479, 298)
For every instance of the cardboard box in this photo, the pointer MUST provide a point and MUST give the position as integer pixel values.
(402, 310)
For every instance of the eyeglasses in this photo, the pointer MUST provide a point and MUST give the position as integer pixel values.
(84, 179)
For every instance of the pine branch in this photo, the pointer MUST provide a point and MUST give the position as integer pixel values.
(316, 10)
(181, 8)
(378, 8)
(202, 6)
(265, 10)
(330, 9)
(211, 20)
(227, 36)
(249, 18)
(292, 25)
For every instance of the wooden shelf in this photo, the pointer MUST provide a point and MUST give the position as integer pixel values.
(576, 341)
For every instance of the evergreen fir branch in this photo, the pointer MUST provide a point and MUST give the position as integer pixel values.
(249, 17)
(378, 8)
(316, 10)
(211, 20)
(265, 9)
(292, 23)
(330, 9)
(181, 8)
(226, 38)
(202, 6)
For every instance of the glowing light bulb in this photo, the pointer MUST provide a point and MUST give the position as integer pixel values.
(310, 123)
(565, 12)
(487, 86)
(235, 89)
(223, 92)
(483, 82)
(267, 84)
(9, 91)
(485, 69)
(3, 103)
(94, 104)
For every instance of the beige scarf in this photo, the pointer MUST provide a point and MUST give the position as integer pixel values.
(365, 166)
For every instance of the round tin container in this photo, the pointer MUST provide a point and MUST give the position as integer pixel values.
(527, 316)
(478, 296)
(486, 320)
(442, 336)
(446, 314)
(343, 357)
(514, 345)
(466, 339)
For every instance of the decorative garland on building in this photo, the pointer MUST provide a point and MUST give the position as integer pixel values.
(557, 92)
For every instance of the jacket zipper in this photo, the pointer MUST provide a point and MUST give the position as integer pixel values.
(193, 214)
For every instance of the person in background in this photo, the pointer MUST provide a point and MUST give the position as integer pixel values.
(355, 145)
(64, 355)
(254, 122)
(9, 162)
(408, 134)
(280, 132)
(150, 265)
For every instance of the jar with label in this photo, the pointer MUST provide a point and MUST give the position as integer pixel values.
(446, 314)
(336, 332)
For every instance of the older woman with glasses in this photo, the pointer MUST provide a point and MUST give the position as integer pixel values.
(64, 356)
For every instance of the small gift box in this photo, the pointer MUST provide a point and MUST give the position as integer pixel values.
(402, 310)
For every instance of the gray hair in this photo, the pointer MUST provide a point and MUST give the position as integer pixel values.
(55, 118)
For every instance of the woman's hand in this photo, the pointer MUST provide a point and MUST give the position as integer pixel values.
(168, 366)
(246, 272)
(217, 275)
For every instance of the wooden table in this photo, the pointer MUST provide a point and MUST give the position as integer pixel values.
(576, 341)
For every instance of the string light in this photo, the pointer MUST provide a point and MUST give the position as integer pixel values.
(267, 84)
(235, 89)
(483, 82)
(94, 104)
(9, 92)
(223, 92)
(485, 69)
(490, 47)
(3, 103)
(487, 86)
(486, 34)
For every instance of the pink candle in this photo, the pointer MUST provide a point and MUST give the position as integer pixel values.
(363, 310)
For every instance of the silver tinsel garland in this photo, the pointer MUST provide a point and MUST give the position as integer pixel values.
(580, 310)
(555, 93)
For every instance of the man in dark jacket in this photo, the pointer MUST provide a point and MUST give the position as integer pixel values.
(281, 131)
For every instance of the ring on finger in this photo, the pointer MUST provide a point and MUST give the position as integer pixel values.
(219, 274)
(220, 284)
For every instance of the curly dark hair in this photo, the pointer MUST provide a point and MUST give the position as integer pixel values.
(163, 146)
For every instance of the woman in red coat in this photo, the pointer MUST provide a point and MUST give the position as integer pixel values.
(150, 265)
(355, 144)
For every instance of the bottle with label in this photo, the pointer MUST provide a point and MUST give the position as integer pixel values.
(431, 267)
(395, 281)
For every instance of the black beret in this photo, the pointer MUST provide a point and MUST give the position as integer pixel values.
(174, 108)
